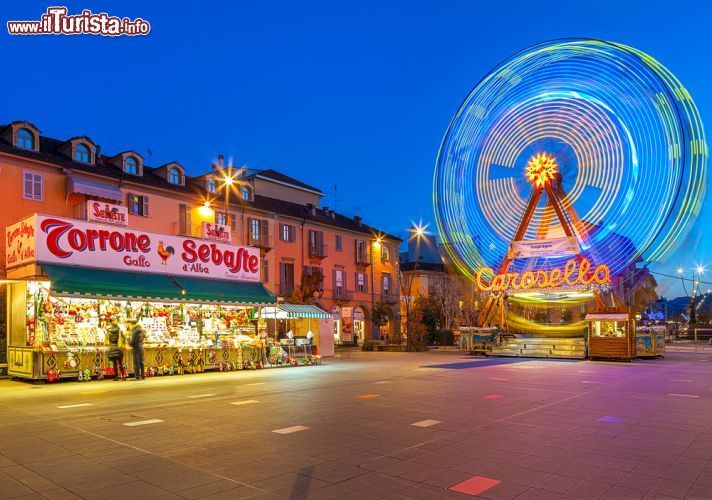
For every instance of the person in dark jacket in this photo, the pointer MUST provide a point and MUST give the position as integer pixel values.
(138, 335)
(114, 352)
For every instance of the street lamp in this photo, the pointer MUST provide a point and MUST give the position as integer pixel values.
(227, 187)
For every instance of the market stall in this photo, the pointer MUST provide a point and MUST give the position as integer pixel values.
(611, 335)
(297, 328)
(62, 298)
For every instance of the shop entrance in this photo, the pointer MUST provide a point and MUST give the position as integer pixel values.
(359, 324)
(336, 317)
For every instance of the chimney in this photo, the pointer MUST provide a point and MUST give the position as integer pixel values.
(326, 210)
(215, 167)
(311, 209)
(221, 161)
(332, 214)
(97, 154)
(357, 220)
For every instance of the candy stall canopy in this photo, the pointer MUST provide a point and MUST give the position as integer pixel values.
(70, 281)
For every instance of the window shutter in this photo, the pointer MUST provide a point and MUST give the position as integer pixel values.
(264, 270)
(145, 206)
(130, 203)
(37, 186)
(282, 280)
(344, 280)
(233, 223)
(27, 185)
(333, 280)
(292, 233)
(181, 218)
(365, 283)
(188, 222)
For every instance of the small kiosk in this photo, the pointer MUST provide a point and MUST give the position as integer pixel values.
(611, 335)
(478, 340)
(650, 341)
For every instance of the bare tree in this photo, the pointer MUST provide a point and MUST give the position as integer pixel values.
(446, 298)
(407, 299)
(472, 300)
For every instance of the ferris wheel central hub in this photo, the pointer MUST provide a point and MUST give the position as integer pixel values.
(542, 169)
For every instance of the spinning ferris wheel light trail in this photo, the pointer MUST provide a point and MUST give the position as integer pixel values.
(607, 133)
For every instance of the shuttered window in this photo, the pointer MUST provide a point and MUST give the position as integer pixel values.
(137, 204)
(32, 186)
(286, 233)
(361, 283)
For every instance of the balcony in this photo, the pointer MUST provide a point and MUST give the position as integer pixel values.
(363, 258)
(317, 250)
(390, 298)
(341, 294)
(261, 240)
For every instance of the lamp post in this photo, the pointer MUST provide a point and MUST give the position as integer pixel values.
(227, 186)
(418, 231)
(376, 243)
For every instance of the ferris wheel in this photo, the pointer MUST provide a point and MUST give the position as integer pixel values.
(616, 130)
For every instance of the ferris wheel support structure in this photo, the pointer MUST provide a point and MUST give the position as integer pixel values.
(551, 185)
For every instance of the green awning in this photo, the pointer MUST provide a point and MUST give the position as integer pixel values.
(304, 311)
(88, 282)
(100, 283)
(223, 291)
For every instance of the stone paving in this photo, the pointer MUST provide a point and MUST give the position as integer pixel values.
(370, 425)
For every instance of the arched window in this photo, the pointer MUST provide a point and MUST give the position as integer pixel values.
(245, 193)
(174, 176)
(211, 186)
(81, 153)
(25, 139)
(131, 166)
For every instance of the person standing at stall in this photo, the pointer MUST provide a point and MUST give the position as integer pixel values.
(138, 335)
(114, 352)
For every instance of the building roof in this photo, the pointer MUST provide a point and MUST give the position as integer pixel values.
(49, 153)
(280, 177)
(422, 266)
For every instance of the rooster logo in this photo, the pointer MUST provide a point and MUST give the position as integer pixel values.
(165, 252)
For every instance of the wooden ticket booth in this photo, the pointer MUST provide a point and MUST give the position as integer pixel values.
(611, 335)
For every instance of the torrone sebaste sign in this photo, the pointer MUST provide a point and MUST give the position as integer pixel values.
(56, 240)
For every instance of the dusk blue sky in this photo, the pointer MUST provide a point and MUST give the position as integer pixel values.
(355, 95)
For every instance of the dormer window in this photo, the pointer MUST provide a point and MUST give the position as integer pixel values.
(245, 193)
(211, 186)
(174, 176)
(25, 139)
(131, 166)
(82, 153)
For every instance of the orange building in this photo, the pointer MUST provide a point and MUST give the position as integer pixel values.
(280, 215)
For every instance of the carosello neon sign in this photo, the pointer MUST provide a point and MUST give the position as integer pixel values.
(573, 274)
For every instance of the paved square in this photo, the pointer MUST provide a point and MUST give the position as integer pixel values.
(430, 433)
